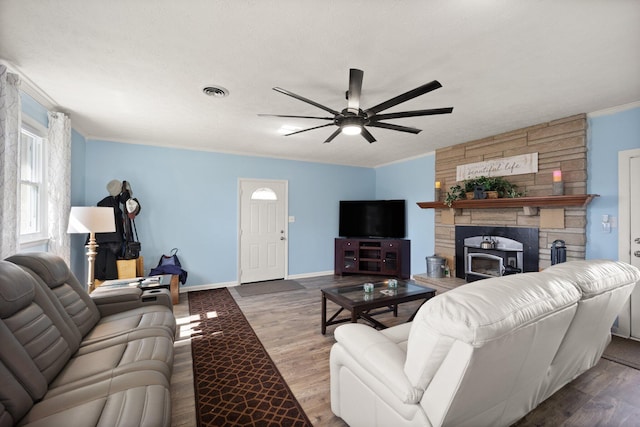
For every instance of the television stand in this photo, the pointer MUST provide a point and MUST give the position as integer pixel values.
(387, 257)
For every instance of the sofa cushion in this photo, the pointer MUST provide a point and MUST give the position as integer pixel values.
(6, 420)
(18, 296)
(41, 343)
(88, 365)
(15, 400)
(594, 277)
(479, 312)
(34, 346)
(135, 399)
(55, 274)
(606, 286)
(75, 303)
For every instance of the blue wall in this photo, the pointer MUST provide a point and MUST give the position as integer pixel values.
(189, 200)
(31, 108)
(78, 155)
(412, 180)
(607, 135)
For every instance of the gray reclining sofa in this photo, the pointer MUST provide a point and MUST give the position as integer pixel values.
(67, 361)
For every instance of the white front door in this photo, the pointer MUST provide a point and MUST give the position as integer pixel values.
(263, 230)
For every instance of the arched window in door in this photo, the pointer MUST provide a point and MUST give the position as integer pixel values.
(264, 193)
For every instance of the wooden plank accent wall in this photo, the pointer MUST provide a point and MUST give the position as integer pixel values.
(560, 144)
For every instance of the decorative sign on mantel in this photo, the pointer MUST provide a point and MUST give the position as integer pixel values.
(516, 165)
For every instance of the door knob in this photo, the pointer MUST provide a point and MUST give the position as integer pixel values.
(637, 240)
(282, 238)
(637, 254)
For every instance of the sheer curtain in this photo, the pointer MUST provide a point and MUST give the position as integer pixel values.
(59, 183)
(9, 137)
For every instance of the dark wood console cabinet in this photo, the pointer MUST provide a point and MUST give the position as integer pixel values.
(389, 257)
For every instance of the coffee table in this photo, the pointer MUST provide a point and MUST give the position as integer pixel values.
(361, 304)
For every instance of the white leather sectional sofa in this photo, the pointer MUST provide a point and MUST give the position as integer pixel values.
(63, 362)
(484, 354)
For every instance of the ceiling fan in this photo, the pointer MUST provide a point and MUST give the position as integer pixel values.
(353, 120)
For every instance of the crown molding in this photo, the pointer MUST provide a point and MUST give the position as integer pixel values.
(614, 110)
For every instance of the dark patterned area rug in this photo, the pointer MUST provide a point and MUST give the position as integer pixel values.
(236, 382)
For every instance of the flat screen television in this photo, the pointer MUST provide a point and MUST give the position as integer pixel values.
(373, 218)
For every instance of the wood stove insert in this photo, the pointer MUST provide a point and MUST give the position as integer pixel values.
(514, 250)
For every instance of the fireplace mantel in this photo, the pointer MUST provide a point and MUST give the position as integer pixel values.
(579, 200)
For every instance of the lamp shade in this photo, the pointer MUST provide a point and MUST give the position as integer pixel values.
(91, 219)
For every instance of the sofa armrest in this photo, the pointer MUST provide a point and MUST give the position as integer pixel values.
(116, 300)
(115, 295)
(380, 356)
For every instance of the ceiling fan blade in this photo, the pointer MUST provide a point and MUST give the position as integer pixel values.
(303, 99)
(415, 113)
(295, 117)
(304, 130)
(428, 87)
(367, 135)
(333, 135)
(355, 90)
(394, 127)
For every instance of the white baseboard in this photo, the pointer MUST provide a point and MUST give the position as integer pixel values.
(185, 289)
(307, 275)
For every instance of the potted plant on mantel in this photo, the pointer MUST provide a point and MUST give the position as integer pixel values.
(482, 187)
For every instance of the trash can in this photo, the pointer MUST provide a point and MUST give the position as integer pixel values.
(435, 266)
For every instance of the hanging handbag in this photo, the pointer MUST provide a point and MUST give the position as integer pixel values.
(132, 248)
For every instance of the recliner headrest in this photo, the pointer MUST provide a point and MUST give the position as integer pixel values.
(596, 276)
(17, 289)
(51, 268)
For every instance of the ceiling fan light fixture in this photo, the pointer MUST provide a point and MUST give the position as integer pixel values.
(351, 125)
(351, 129)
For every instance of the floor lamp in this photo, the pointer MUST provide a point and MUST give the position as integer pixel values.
(92, 220)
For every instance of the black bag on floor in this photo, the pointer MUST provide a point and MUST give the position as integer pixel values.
(170, 264)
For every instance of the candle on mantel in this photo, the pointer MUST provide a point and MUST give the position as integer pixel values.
(436, 193)
(437, 184)
(558, 185)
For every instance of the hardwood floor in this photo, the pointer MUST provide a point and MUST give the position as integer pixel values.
(288, 324)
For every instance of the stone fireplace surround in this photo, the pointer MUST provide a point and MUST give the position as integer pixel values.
(561, 145)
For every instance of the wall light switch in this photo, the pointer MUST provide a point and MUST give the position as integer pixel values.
(607, 223)
(292, 219)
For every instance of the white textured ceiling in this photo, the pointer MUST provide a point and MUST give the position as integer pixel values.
(133, 70)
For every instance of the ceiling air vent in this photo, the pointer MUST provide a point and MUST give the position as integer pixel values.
(217, 91)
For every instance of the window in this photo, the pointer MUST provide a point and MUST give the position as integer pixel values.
(264, 194)
(33, 206)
